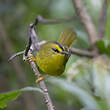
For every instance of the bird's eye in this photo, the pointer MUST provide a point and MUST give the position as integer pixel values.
(55, 50)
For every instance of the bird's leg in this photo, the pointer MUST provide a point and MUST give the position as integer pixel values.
(31, 58)
(40, 78)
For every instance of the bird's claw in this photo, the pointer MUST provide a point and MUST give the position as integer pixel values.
(40, 78)
(31, 58)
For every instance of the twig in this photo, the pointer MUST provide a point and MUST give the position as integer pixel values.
(103, 19)
(86, 20)
(48, 101)
(55, 21)
(28, 47)
(25, 51)
(80, 52)
(16, 54)
(33, 45)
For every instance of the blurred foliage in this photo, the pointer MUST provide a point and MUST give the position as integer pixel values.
(10, 96)
(85, 85)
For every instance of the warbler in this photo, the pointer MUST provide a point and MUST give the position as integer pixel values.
(52, 56)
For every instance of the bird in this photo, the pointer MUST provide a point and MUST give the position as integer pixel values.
(52, 56)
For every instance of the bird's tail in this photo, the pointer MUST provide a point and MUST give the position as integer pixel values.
(67, 37)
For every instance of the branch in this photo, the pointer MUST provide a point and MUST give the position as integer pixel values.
(48, 101)
(25, 52)
(16, 54)
(86, 20)
(80, 52)
(55, 21)
(103, 19)
(34, 46)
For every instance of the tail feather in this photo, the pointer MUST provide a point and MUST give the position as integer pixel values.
(67, 37)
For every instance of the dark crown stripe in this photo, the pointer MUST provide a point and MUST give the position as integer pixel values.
(59, 46)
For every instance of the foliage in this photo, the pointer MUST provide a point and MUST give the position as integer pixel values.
(104, 46)
(13, 95)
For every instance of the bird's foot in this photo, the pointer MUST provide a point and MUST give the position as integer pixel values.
(31, 58)
(40, 78)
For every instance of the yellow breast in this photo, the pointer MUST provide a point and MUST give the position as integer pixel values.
(50, 62)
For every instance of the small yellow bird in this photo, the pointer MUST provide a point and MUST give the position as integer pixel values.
(53, 56)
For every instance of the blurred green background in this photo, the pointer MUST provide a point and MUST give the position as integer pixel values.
(85, 85)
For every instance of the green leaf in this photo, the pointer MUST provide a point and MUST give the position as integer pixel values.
(5, 97)
(13, 95)
(103, 47)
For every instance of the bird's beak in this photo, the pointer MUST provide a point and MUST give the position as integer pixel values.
(65, 52)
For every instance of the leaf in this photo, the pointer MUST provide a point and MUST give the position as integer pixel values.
(101, 46)
(104, 47)
(5, 97)
(13, 95)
